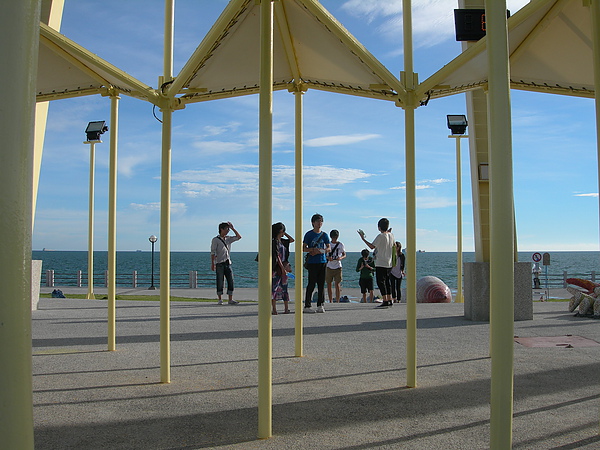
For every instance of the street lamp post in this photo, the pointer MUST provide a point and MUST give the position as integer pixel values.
(458, 127)
(152, 240)
(93, 132)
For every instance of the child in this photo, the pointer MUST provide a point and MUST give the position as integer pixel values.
(366, 267)
(333, 269)
(397, 273)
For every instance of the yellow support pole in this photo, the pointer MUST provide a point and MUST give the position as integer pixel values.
(595, 16)
(501, 229)
(165, 250)
(299, 255)
(265, 177)
(165, 204)
(411, 202)
(90, 268)
(19, 34)
(459, 241)
(112, 222)
(411, 252)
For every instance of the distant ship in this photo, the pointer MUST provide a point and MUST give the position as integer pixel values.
(47, 250)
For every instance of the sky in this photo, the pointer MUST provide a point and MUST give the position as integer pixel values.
(353, 147)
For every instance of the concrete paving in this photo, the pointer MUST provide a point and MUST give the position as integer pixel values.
(348, 391)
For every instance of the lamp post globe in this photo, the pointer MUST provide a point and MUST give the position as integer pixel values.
(152, 240)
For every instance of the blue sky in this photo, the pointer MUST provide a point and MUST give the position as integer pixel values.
(354, 147)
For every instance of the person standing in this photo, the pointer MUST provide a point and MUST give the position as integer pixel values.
(316, 244)
(333, 269)
(281, 266)
(220, 259)
(384, 247)
(397, 273)
(366, 267)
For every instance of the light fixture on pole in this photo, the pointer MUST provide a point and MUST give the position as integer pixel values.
(458, 126)
(152, 240)
(93, 132)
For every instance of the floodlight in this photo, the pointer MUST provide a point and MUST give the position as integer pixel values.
(457, 123)
(95, 129)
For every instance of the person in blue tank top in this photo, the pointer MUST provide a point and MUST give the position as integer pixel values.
(316, 244)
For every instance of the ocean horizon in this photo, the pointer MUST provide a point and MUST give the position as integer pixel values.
(443, 265)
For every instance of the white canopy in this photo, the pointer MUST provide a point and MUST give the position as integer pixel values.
(311, 49)
(550, 45)
(65, 69)
(550, 51)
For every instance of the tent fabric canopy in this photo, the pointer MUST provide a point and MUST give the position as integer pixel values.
(550, 46)
(311, 49)
(66, 70)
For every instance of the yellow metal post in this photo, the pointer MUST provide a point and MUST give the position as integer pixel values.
(165, 205)
(595, 14)
(299, 255)
(411, 202)
(502, 228)
(265, 176)
(19, 34)
(112, 222)
(165, 250)
(459, 241)
(90, 290)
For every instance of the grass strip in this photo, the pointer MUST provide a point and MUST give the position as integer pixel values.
(144, 298)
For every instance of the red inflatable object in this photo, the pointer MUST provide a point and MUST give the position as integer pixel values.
(585, 284)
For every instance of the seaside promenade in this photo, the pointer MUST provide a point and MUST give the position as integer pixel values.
(347, 392)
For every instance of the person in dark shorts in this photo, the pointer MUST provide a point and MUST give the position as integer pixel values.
(316, 244)
(366, 267)
(220, 260)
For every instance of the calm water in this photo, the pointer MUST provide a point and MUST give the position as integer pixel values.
(439, 264)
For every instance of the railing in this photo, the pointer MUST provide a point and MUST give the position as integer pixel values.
(195, 279)
(191, 280)
(560, 280)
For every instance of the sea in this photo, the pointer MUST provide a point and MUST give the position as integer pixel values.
(67, 264)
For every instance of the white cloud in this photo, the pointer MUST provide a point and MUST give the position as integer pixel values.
(363, 194)
(241, 173)
(424, 184)
(591, 194)
(126, 164)
(211, 130)
(434, 202)
(437, 181)
(227, 180)
(219, 147)
(279, 136)
(329, 141)
(176, 208)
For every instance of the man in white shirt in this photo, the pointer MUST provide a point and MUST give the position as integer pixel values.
(334, 266)
(383, 246)
(220, 260)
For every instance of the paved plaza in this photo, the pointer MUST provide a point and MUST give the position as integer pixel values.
(348, 391)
